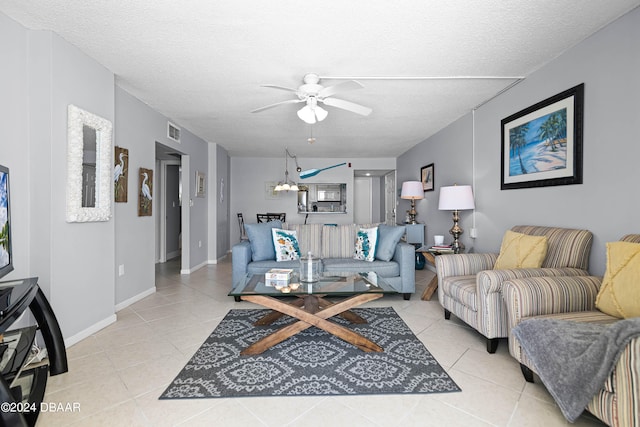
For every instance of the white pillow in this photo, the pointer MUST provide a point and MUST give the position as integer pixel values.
(366, 240)
(286, 245)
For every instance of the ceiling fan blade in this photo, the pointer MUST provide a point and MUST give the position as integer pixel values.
(281, 88)
(346, 105)
(289, 101)
(340, 87)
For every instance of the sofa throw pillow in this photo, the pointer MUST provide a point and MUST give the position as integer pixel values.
(388, 238)
(285, 243)
(365, 247)
(261, 241)
(619, 294)
(521, 251)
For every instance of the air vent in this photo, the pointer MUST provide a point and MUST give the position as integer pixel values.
(173, 132)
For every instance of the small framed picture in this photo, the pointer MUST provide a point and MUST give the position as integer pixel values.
(270, 190)
(427, 177)
(200, 184)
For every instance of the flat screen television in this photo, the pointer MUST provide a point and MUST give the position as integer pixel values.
(6, 257)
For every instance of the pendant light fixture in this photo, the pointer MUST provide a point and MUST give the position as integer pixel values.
(287, 184)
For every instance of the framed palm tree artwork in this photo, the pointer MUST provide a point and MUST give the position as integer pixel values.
(542, 144)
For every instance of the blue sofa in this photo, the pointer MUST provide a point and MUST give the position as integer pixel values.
(395, 260)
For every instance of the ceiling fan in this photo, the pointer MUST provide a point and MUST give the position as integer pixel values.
(313, 93)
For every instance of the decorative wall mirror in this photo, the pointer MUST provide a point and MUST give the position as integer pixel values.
(89, 166)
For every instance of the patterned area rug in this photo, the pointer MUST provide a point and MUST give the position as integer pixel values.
(310, 363)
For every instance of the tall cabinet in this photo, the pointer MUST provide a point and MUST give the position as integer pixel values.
(22, 389)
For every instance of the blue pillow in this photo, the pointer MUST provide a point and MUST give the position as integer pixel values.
(388, 238)
(261, 240)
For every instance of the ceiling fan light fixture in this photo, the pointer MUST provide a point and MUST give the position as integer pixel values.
(307, 115)
(321, 113)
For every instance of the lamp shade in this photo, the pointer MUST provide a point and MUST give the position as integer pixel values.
(412, 190)
(456, 197)
(307, 115)
(321, 113)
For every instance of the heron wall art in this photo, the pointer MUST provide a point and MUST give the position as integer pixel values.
(145, 177)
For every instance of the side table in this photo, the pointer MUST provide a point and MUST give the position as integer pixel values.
(433, 284)
(430, 257)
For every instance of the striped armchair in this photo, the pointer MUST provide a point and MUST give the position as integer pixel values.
(573, 299)
(469, 287)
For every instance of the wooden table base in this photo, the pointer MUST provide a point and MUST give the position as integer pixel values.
(433, 284)
(432, 287)
(311, 310)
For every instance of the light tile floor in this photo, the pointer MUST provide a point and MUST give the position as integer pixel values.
(117, 374)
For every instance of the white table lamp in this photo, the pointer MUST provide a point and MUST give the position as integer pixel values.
(412, 190)
(456, 198)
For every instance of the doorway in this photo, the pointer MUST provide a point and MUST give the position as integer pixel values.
(374, 196)
(172, 210)
(172, 225)
(362, 207)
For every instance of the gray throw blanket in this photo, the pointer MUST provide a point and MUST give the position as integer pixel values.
(574, 359)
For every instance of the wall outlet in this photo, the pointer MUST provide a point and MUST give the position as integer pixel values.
(473, 233)
(199, 243)
(121, 270)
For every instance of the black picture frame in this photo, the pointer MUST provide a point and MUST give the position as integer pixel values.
(542, 144)
(428, 177)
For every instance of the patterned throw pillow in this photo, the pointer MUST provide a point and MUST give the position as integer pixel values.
(286, 244)
(521, 251)
(366, 239)
(619, 294)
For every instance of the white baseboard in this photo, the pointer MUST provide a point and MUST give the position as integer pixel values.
(135, 298)
(215, 261)
(68, 342)
(195, 268)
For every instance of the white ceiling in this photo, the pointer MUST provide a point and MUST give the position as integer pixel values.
(201, 62)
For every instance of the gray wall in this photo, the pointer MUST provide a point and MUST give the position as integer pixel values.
(14, 145)
(223, 218)
(608, 63)
(41, 76)
(451, 153)
(138, 128)
(77, 262)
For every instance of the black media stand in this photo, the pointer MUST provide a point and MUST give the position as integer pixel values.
(22, 390)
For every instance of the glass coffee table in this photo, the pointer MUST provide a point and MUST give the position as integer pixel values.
(311, 307)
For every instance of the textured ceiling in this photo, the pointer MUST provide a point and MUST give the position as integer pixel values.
(201, 62)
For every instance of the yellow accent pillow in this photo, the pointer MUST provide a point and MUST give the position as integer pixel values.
(521, 251)
(619, 294)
